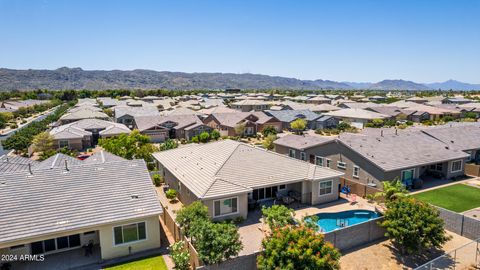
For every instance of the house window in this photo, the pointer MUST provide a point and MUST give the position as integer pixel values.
(63, 143)
(319, 160)
(291, 153)
(325, 188)
(130, 233)
(356, 171)
(303, 156)
(282, 187)
(329, 163)
(225, 207)
(341, 165)
(456, 166)
(54, 244)
(437, 167)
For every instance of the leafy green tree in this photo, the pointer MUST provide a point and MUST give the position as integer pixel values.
(291, 248)
(131, 146)
(377, 123)
(189, 214)
(343, 126)
(204, 137)
(298, 125)
(269, 130)
(471, 115)
(278, 216)
(42, 142)
(392, 190)
(240, 129)
(180, 256)
(215, 135)
(216, 242)
(413, 226)
(268, 141)
(168, 144)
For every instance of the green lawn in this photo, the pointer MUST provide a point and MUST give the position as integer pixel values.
(153, 263)
(458, 198)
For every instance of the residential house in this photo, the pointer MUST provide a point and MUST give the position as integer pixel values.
(160, 128)
(85, 133)
(356, 117)
(370, 160)
(228, 175)
(126, 114)
(314, 120)
(111, 207)
(249, 105)
(456, 100)
(254, 122)
(319, 100)
(83, 112)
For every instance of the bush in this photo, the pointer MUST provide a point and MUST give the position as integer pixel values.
(409, 123)
(413, 226)
(171, 194)
(157, 180)
(215, 135)
(180, 256)
(13, 126)
(268, 142)
(168, 144)
(298, 125)
(195, 139)
(269, 130)
(204, 137)
(191, 213)
(343, 126)
(448, 118)
(277, 216)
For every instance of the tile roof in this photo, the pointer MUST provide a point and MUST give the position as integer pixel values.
(57, 200)
(357, 114)
(146, 122)
(290, 115)
(302, 142)
(58, 160)
(135, 111)
(464, 137)
(102, 157)
(229, 167)
(16, 163)
(82, 128)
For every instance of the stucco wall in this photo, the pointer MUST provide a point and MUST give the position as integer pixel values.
(317, 198)
(242, 205)
(109, 250)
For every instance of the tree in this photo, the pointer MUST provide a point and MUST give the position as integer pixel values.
(157, 180)
(189, 214)
(168, 144)
(392, 190)
(344, 126)
(268, 141)
(278, 216)
(413, 226)
(215, 135)
(204, 137)
(269, 130)
(216, 242)
(298, 125)
(471, 115)
(131, 146)
(299, 247)
(240, 129)
(43, 142)
(180, 256)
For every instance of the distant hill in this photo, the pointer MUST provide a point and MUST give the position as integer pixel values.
(359, 85)
(76, 78)
(398, 85)
(455, 85)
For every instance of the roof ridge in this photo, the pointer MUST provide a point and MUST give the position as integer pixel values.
(228, 158)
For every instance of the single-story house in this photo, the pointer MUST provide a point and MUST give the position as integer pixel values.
(228, 175)
(85, 133)
(111, 207)
(370, 159)
(357, 117)
(81, 113)
(160, 128)
(126, 114)
(314, 120)
(254, 122)
(249, 105)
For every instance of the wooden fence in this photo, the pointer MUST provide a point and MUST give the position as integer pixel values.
(358, 188)
(472, 169)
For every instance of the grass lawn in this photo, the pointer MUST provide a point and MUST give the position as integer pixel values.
(152, 263)
(458, 198)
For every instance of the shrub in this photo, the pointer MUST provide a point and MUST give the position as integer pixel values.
(168, 144)
(215, 135)
(269, 130)
(298, 125)
(157, 180)
(277, 215)
(204, 137)
(180, 256)
(343, 126)
(448, 118)
(189, 214)
(409, 123)
(268, 142)
(171, 194)
(13, 126)
(195, 139)
(293, 248)
(413, 226)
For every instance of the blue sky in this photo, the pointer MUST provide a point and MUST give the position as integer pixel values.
(356, 40)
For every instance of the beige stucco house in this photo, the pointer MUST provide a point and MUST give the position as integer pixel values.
(59, 207)
(227, 175)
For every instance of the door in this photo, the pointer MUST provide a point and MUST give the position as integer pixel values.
(407, 177)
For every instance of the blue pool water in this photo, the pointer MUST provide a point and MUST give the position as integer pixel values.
(332, 221)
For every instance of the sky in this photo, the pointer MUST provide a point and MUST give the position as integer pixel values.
(341, 40)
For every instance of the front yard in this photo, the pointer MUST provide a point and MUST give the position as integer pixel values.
(457, 198)
(152, 263)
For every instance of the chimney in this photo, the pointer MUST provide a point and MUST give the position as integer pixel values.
(66, 165)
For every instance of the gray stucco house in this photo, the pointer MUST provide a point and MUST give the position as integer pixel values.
(226, 175)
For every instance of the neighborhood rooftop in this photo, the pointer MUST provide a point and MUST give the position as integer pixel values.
(302, 142)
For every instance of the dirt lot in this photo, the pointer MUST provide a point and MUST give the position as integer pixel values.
(382, 255)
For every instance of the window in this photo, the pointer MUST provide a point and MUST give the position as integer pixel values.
(291, 153)
(63, 143)
(341, 165)
(282, 187)
(329, 163)
(407, 175)
(325, 188)
(356, 171)
(437, 167)
(17, 247)
(225, 206)
(129, 233)
(456, 166)
(319, 161)
(303, 156)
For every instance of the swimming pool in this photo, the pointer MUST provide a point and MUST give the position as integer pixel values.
(333, 221)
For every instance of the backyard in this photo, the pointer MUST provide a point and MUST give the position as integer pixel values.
(152, 263)
(457, 198)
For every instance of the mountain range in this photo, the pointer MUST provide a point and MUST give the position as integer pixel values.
(77, 78)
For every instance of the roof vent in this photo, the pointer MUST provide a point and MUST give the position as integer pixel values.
(134, 196)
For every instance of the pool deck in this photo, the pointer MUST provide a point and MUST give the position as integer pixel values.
(342, 204)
